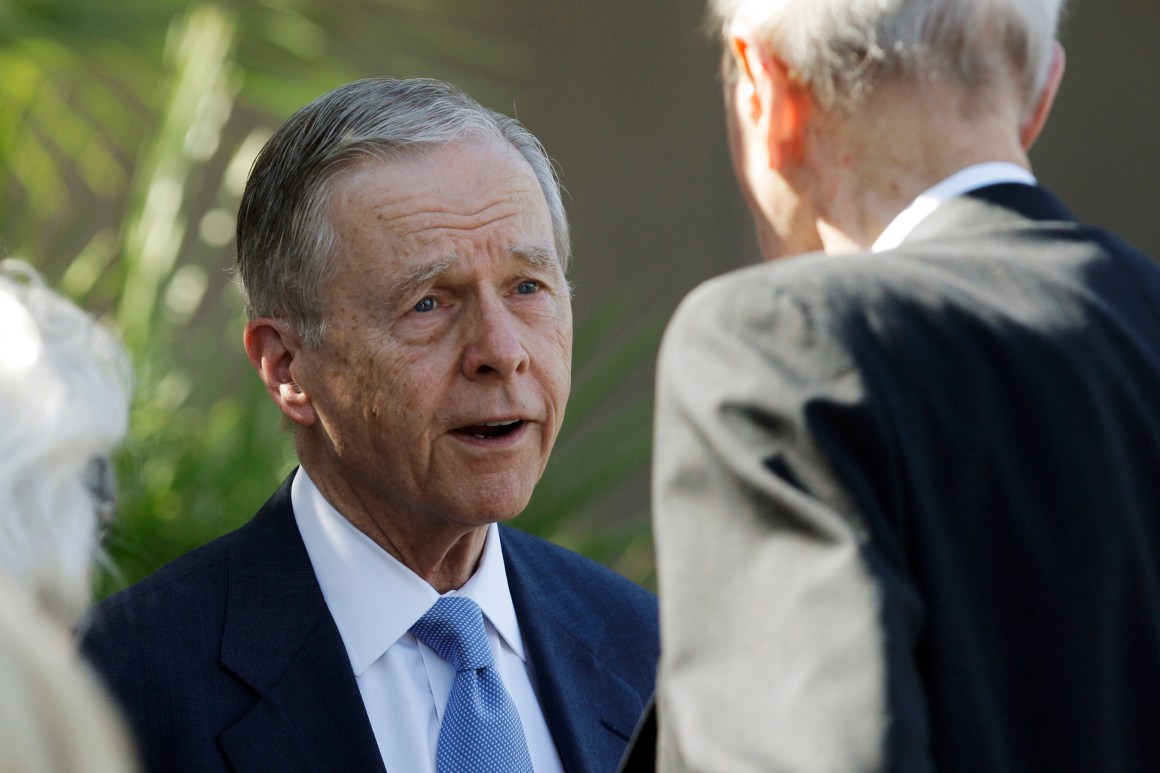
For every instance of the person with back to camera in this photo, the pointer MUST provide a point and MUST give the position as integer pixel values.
(905, 489)
(64, 406)
(402, 251)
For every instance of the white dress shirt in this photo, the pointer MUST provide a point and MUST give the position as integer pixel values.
(963, 181)
(374, 600)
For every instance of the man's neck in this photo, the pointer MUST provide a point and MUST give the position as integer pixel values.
(867, 169)
(441, 551)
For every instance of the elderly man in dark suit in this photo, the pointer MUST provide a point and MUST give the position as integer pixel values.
(906, 503)
(403, 253)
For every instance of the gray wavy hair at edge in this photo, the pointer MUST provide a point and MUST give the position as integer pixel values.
(841, 49)
(64, 400)
(285, 240)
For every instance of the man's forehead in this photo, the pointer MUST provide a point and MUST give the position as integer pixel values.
(474, 160)
(425, 196)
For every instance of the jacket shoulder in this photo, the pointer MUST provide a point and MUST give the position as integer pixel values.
(175, 614)
(190, 568)
(199, 574)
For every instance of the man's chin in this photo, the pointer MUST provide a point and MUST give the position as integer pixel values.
(494, 504)
(503, 514)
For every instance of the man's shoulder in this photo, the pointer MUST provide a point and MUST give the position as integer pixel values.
(818, 281)
(169, 647)
(793, 312)
(182, 598)
(202, 569)
(190, 572)
(175, 606)
(1033, 272)
(163, 630)
(833, 283)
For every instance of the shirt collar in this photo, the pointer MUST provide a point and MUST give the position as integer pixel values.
(963, 181)
(373, 598)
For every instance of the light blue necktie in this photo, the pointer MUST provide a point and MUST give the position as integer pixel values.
(481, 729)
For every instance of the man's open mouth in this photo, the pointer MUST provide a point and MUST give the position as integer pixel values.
(489, 430)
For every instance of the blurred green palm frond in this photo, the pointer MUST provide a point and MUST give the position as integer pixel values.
(127, 129)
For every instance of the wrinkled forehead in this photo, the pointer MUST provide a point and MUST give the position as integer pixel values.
(424, 214)
(419, 155)
(461, 185)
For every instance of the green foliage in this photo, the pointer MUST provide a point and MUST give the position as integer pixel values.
(125, 137)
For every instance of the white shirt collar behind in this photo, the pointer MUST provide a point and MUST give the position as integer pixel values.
(373, 598)
(962, 181)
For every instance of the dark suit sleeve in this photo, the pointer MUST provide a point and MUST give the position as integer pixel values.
(787, 633)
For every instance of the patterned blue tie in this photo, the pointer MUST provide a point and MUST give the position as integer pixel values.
(481, 730)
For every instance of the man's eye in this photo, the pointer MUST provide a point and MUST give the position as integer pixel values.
(528, 288)
(427, 304)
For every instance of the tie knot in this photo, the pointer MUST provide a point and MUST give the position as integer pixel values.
(454, 629)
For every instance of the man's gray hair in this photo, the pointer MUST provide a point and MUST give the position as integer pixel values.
(842, 49)
(285, 238)
(64, 405)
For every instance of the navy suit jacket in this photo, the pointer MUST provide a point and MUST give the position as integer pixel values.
(228, 658)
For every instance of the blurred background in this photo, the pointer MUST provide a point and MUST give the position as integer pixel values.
(127, 128)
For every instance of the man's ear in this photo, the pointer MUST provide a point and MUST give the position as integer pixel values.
(1035, 119)
(767, 96)
(746, 78)
(272, 348)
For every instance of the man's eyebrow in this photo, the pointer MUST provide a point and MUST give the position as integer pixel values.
(538, 255)
(424, 273)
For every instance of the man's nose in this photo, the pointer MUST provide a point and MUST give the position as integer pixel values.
(494, 342)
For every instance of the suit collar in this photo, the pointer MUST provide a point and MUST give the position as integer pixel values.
(590, 711)
(280, 640)
(1006, 205)
(961, 182)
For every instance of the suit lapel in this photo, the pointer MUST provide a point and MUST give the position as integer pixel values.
(280, 639)
(590, 711)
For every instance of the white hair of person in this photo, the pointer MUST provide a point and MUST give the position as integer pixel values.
(842, 49)
(285, 240)
(54, 716)
(64, 402)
